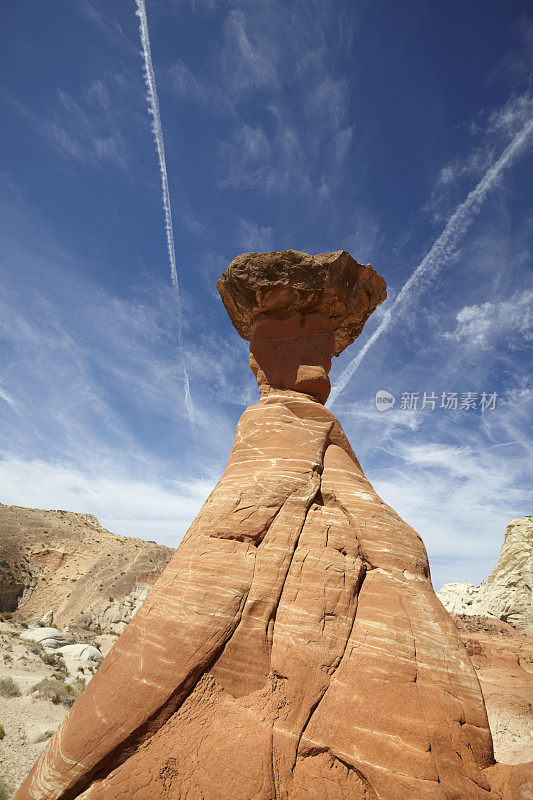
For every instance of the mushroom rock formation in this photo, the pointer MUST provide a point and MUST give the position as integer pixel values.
(294, 648)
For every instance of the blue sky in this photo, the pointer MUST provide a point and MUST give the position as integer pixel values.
(313, 125)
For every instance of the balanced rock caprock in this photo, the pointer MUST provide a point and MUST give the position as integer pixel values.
(294, 648)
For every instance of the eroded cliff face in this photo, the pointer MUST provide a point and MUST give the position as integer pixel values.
(294, 647)
(70, 564)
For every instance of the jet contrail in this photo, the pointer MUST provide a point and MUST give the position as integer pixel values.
(456, 226)
(157, 130)
(10, 400)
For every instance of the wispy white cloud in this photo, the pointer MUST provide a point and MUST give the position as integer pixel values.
(491, 131)
(206, 93)
(518, 62)
(82, 135)
(250, 148)
(92, 127)
(10, 400)
(109, 25)
(442, 249)
(512, 117)
(363, 242)
(253, 238)
(159, 511)
(340, 145)
(484, 324)
(458, 498)
(302, 144)
(186, 85)
(248, 61)
(327, 103)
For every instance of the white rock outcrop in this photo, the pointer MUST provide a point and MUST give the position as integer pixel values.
(49, 638)
(47, 619)
(461, 598)
(507, 593)
(78, 656)
(114, 615)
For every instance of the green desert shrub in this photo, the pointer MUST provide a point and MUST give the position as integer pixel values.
(2, 732)
(35, 648)
(4, 794)
(8, 688)
(57, 691)
(54, 660)
(54, 690)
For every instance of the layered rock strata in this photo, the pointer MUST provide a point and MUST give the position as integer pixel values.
(294, 648)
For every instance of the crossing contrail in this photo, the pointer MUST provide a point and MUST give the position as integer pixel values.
(456, 226)
(10, 400)
(157, 130)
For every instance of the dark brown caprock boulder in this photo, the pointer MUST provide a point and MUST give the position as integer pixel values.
(294, 648)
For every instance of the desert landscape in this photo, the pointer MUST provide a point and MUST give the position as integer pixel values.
(297, 613)
(265, 400)
(68, 589)
(33, 655)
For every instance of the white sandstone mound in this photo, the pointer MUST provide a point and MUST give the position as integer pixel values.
(79, 656)
(507, 593)
(49, 638)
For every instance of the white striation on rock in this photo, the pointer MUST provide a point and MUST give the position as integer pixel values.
(507, 593)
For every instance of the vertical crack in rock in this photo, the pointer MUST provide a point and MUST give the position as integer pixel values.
(275, 776)
(252, 638)
(408, 618)
(341, 544)
(295, 545)
(334, 669)
(371, 794)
